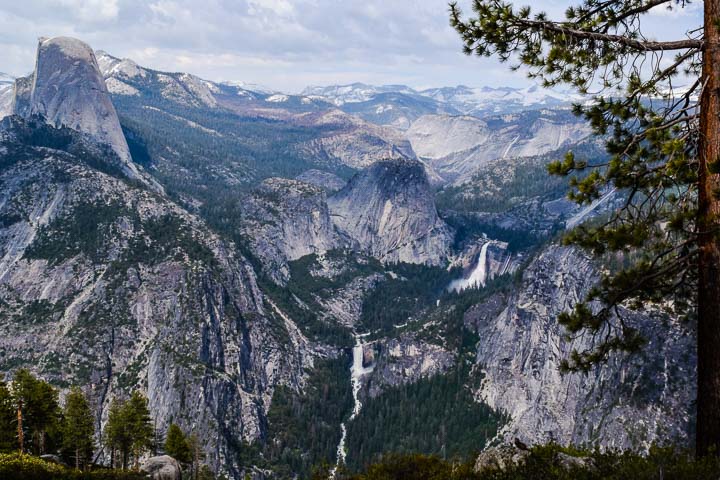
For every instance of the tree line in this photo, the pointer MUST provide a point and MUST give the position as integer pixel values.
(33, 421)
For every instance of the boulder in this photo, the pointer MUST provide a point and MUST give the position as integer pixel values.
(568, 462)
(163, 467)
(500, 458)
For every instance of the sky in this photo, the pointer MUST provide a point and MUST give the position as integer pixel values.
(282, 44)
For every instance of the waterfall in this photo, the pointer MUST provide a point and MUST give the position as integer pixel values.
(479, 275)
(357, 370)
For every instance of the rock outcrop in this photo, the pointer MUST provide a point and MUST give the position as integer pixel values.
(284, 220)
(329, 182)
(388, 211)
(67, 89)
(456, 146)
(350, 141)
(407, 359)
(627, 402)
(163, 467)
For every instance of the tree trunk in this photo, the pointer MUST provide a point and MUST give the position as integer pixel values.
(77, 458)
(21, 437)
(708, 348)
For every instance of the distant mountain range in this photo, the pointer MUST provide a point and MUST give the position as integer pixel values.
(372, 102)
(391, 105)
(6, 79)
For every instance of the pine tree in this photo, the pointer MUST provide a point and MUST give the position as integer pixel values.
(129, 430)
(139, 423)
(176, 444)
(196, 455)
(8, 417)
(117, 435)
(664, 163)
(77, 428)
(38, 411)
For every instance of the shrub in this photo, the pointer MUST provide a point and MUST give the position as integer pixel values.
(542, 464)
(16, 466)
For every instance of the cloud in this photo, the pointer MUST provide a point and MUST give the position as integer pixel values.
(285, 44)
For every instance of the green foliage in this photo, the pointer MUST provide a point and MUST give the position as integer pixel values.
(176, 444)
(81, 230)
(436, 415)
(41, 415)
(26, 467)
(469, 227)
(129, 429)
(406, 290)
(8, 440)
(304, 428)
(78, 428)
(416, 467)
(651, 130)
(542, 463)
(168, 236)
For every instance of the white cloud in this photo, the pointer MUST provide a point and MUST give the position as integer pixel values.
(282, 43)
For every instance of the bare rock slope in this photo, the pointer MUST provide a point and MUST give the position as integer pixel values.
(67, 89)
(388, 210)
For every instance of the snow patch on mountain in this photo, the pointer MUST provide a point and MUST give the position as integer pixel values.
(112, 66)
(353, 93)
(118, 87)
(277, 98)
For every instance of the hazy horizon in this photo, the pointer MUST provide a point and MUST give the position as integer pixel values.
(280, 44)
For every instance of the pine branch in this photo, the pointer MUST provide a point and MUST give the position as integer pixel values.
(639, 45)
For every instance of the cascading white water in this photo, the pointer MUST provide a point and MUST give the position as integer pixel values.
(478, 277)
(357, 370)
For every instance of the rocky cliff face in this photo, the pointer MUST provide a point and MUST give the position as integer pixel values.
(108, 285)
(67, 89)
(6, 100)
(406, 359)
(350, 141)
(388, 210)
(329, 182)
(629, 402)
(285, 220)
(456, 146)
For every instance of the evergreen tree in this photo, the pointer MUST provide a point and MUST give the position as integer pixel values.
(8, 417)
(196, 455)
(664, 150)
(139, 424)
(77, 428)
(129, 430)
(176, 444)
(117, 435)
(38, 411)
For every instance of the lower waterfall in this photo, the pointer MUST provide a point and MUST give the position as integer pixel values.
(357, 370)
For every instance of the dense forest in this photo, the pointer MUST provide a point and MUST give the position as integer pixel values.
(304, 427)
(436, 415)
